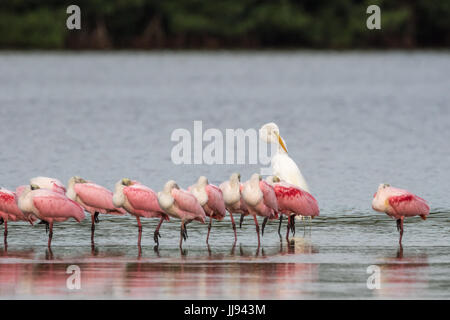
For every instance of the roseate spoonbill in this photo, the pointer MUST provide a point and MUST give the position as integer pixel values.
(260, 199)
(48, 183)
(211, 199)
(232, 197)
(9, 211)
(49, 206)
(139, 201)
(94, 198)
(292, 201)
(398, 204)
(282, 165)
(182, 205)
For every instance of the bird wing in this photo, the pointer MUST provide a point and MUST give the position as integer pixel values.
(142, 198)
(95, 196)
(270, 199)
(293, 199)
(408, 204)
(287, 170)
(55, 205)
(215, 199)
(187, 202)
(8, 203)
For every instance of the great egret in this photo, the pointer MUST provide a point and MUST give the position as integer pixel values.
(282, 165)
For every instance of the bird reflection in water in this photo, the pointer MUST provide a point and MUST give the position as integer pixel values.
(111, 272)
(403, 274)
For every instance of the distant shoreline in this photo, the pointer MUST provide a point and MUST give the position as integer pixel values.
(228, 50)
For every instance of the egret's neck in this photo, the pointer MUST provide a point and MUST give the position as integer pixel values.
(281, 150)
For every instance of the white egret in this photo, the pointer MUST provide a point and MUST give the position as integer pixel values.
(282, 165)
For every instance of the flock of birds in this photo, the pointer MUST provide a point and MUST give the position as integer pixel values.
(285, 193)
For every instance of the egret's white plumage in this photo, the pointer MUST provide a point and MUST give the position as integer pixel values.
(282, 165)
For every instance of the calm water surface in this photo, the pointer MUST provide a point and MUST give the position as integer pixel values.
(350, 120)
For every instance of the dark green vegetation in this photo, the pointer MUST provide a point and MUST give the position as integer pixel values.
(224, 24)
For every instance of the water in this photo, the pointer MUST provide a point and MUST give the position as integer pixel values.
(350, 120)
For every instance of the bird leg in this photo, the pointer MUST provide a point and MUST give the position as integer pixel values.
(209, 228)
(156, 234)
(1, 221)
(288, 228)
(279, 226)
(293, 225)
(96, 219)
(240, 221)
(264, 225)
(156, 249)
(50, 234)
(185, 230)
(257, 229)
(6, 232)
(182, 234)
(139, 252)
(140, 230)
(400, 229)
(46, 225)
(49, 254)
(94, 250)
(92, 228)
(233, 249)
(234, 227)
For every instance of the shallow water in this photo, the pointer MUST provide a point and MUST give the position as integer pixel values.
(350, 120)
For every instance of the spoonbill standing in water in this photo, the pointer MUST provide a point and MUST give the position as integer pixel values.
(293, 201)
(232, 197)
(140, 201)
(94, 198)
(182, 205)
(261, 200)
(398, 204)
(210, 198)
(9, 211)
(49, 206)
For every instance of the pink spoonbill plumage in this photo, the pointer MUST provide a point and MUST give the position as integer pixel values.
(232, 196)
(94, 198)
(293, 201)
(260, 198)
(399, 204)
(140, 201)
(180, 204)
(9, 211)
(211, 199)
(49, 206)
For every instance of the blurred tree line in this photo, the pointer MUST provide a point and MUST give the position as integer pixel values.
(224, 24)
